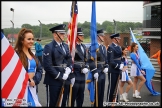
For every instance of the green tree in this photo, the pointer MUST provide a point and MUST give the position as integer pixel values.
(105, 24)
(122, 28)
(86, 32)
(86, 25)
(28, 26)
(109, 29)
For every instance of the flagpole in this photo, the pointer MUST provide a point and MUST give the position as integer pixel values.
(94, 46)
(96, 82)
(71, 45)
(70, 94)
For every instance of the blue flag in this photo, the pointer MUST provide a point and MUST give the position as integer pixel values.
(146, 65)
(93, 50)
(90, 87)
(93, 32)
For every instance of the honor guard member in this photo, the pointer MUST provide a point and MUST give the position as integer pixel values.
(114, 54)
(102, 66)
(57, 63)
(80, 69)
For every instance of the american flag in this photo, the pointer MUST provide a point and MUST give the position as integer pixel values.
(72, 29)
(13, 75)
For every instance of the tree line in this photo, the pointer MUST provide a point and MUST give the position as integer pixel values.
(121, 27)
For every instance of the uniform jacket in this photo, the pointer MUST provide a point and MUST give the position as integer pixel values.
(53, 56)
(114, 52)
(101, 60)
(79, 57)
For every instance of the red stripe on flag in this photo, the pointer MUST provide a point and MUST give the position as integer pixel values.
(12, 80)
(72, 32)
(6, 57)
(22, 92)
(72, 29)
(24, 84)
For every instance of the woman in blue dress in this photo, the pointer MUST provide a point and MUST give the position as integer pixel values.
(136, 71)
(125, 77)
(23, 47)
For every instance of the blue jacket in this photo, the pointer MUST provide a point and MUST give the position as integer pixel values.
(79, 57)
(38, 49)
(101, 60)
(54, 56)
(114, 54)
(38, 75)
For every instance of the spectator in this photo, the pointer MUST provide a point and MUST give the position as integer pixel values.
(39, 50)
(157, 56)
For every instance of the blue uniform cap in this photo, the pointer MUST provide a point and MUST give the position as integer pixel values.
(115, 36)
(79, 32)
(100, 32)
(59, 28)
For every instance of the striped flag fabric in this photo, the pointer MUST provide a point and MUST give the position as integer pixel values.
(14, 78)
(72, 28)
(146, 65)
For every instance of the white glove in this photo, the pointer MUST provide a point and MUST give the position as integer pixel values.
(105, 70)
(96, 76)
(85, 70)
(67, 70)
(121, 66)
(72, 81)
(65, 76)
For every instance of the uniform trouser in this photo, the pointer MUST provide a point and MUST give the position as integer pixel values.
(78, 93)
(112, 80)
(101, 89)
(53, 94)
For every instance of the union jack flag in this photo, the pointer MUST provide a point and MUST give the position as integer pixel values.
(13, 75)
(72, 29)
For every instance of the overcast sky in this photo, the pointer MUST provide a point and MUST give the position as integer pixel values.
(58, 12)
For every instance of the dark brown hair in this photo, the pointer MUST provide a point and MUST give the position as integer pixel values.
(123, 48)
(132, 46)
(19, 47)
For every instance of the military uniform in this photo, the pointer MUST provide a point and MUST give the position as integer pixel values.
(80, 62)
(53, 59)
(114, 54)
(101, 65)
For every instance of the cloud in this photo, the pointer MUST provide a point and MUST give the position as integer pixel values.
(58, 12)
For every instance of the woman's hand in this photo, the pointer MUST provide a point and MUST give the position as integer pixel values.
(124, 69)
(143, 72)
(32, 83)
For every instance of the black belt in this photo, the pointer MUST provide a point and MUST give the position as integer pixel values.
(118, 58)
(80, 63)
(101, 63)
(61, 65)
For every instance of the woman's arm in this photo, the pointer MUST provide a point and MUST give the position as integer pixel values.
(135, 60)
